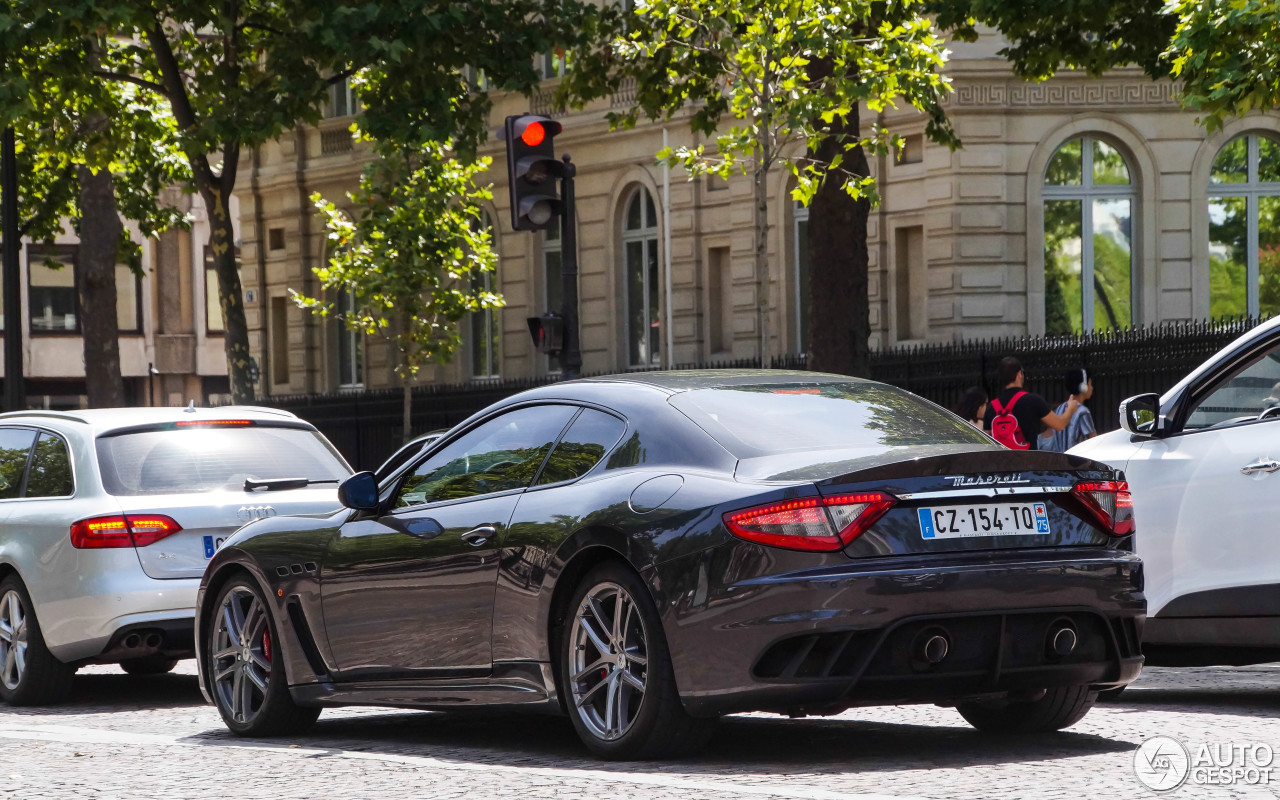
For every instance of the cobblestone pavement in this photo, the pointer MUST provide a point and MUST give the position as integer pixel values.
(127, 737)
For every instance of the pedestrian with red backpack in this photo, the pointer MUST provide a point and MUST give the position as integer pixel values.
(1015, 416)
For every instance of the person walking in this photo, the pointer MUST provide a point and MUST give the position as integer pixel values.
(1079, 388)
(973, 406)
(1015, 416)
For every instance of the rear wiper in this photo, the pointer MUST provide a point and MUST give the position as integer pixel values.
(280, 484)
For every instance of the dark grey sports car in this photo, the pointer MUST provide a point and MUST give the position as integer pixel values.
(647, 552)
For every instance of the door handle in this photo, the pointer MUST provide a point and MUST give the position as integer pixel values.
(1261, 465)
(478, 536)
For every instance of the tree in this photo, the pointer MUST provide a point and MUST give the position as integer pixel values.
(76, 133)
(238, 74)
(1227, 55)
(781, 83)
(409, 258)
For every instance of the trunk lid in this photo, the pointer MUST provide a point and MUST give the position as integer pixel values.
(953, 499)
(208, 518)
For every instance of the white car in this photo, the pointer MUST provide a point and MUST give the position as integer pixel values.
(1203, 463)
(108, 517)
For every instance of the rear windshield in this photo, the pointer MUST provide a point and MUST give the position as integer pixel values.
(195, 460)
(778, 418)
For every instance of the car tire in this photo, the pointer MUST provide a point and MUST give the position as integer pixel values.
(30, 675)
(247, 683)
(151, 665)
(1059, 708)
(649, 722)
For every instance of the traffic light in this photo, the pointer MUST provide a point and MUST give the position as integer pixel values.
(548, 333)
(532, 170)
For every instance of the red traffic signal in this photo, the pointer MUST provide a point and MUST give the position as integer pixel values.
(532, 170)
(533, 134)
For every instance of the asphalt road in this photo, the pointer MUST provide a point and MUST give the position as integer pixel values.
(126, 737)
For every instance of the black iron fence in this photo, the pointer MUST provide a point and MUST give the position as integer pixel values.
(366, 426)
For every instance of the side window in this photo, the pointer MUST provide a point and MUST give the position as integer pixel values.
(1242, 397)
(500, 455)
(50, 473)
(591, 435)
(15, 445)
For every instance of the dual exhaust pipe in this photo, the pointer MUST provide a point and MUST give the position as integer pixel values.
(150, 641)
(933, 645)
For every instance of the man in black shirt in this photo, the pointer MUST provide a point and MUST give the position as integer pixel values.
(1031, 411)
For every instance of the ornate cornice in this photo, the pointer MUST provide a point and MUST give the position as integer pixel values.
(1067, 93)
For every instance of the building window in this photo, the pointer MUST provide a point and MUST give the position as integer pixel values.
(485, 322)
(51, 289)
(1244, 228)
(128, 300)
(800, 271)
(1089, 199)
(350, 346)
(342, 100)
(552, 65)
(640, 266)
(552, 281)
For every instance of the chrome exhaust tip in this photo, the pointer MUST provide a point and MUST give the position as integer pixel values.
(1062, 642)
(935, 649)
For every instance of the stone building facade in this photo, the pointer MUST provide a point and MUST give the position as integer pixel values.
(170, 322)
(1062, 186)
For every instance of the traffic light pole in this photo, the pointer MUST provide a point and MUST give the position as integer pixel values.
(14, 386)
(571, 355)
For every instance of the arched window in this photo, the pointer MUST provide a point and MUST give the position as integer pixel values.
(1089, 199)
(1244, 228)
(485, 322)
(800, 214)
(350, 351)
(640, 268)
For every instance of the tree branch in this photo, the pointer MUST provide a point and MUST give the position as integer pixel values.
(134, 79)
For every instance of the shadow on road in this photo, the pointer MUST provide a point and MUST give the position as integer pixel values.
(109, 693)
(741, 744)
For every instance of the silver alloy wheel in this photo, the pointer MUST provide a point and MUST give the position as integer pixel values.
(13, 640)
(241, 655)
(609, 661)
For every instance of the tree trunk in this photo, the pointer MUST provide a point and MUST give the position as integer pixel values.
(839, 318)
(100, 231)
(230, 294)
(406, 420)
(761, 199)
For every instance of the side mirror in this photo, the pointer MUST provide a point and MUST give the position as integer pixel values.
(1140, 415)
(360, 492)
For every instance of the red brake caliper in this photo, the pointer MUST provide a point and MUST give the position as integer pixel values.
(266, 644)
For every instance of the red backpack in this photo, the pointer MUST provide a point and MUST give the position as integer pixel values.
(1004, 426)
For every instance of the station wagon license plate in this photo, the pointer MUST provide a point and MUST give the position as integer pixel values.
(1005, 519)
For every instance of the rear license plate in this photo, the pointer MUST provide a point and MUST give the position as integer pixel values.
(212, 544)
(1006, 519)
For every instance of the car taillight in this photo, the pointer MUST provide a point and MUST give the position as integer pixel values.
(1109, 502)
(810, 523)
(134, 530)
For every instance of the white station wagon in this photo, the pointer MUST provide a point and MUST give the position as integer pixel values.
(108, 517)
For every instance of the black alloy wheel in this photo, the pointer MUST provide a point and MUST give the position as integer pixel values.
(246, 672)
(615, 672)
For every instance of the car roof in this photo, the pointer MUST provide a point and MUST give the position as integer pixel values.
(688, 380)
(101, 420)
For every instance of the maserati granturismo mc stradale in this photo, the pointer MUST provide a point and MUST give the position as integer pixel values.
(648, 552)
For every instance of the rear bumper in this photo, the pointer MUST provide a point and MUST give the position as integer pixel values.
(94, 626)
(847, 634)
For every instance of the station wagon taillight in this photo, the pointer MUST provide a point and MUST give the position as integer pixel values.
(810, 523)
(1110, 504)
(134, 530)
